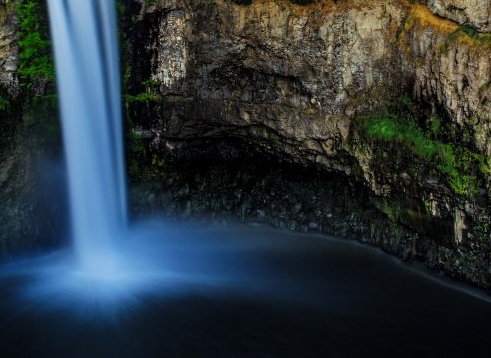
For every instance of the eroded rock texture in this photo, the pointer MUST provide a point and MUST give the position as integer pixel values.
(8, 47)
(28, 143)
(475, 13)
(294, 80)
(290, 77)
(451, 70)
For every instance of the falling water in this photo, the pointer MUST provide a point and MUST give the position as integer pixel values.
(86, 58)
(245, 291)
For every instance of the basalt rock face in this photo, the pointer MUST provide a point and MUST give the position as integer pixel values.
(8, 48)
(452, 71)
(475, 13)
(8, 66)
(30, 215)
(291, 78)
(294, 81)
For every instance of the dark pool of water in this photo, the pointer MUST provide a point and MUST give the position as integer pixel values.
(244, 292)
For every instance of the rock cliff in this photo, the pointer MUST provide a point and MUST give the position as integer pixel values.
(321, 86)
(8, 48)
(269, 70)
(474, 13)
(297, 81)
(28, 218)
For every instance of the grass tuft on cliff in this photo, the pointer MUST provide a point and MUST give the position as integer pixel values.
(421, 17)
(461, 168)
(4, 103)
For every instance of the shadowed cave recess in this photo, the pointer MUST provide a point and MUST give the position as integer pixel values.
(310, 99)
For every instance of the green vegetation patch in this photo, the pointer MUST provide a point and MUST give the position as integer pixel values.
(149, 94)
(35, 58)
(140, 97)
(469, 35)
(458, 166)
(4, 103)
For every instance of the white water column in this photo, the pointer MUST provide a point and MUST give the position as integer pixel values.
(84, 35)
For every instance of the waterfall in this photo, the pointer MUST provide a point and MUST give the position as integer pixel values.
(86, 59)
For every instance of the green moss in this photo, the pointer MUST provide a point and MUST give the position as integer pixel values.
(458, 166)
(35, 58)
(143, 165)
(149, 93)
(141, 97)
(157, 165)
(150, 2)
(136, 153)
(468, 30)
(469, 35)
(427, 205)
(392, 209)
(4, 103)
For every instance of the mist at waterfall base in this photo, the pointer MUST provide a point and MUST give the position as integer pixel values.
(156, 290)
